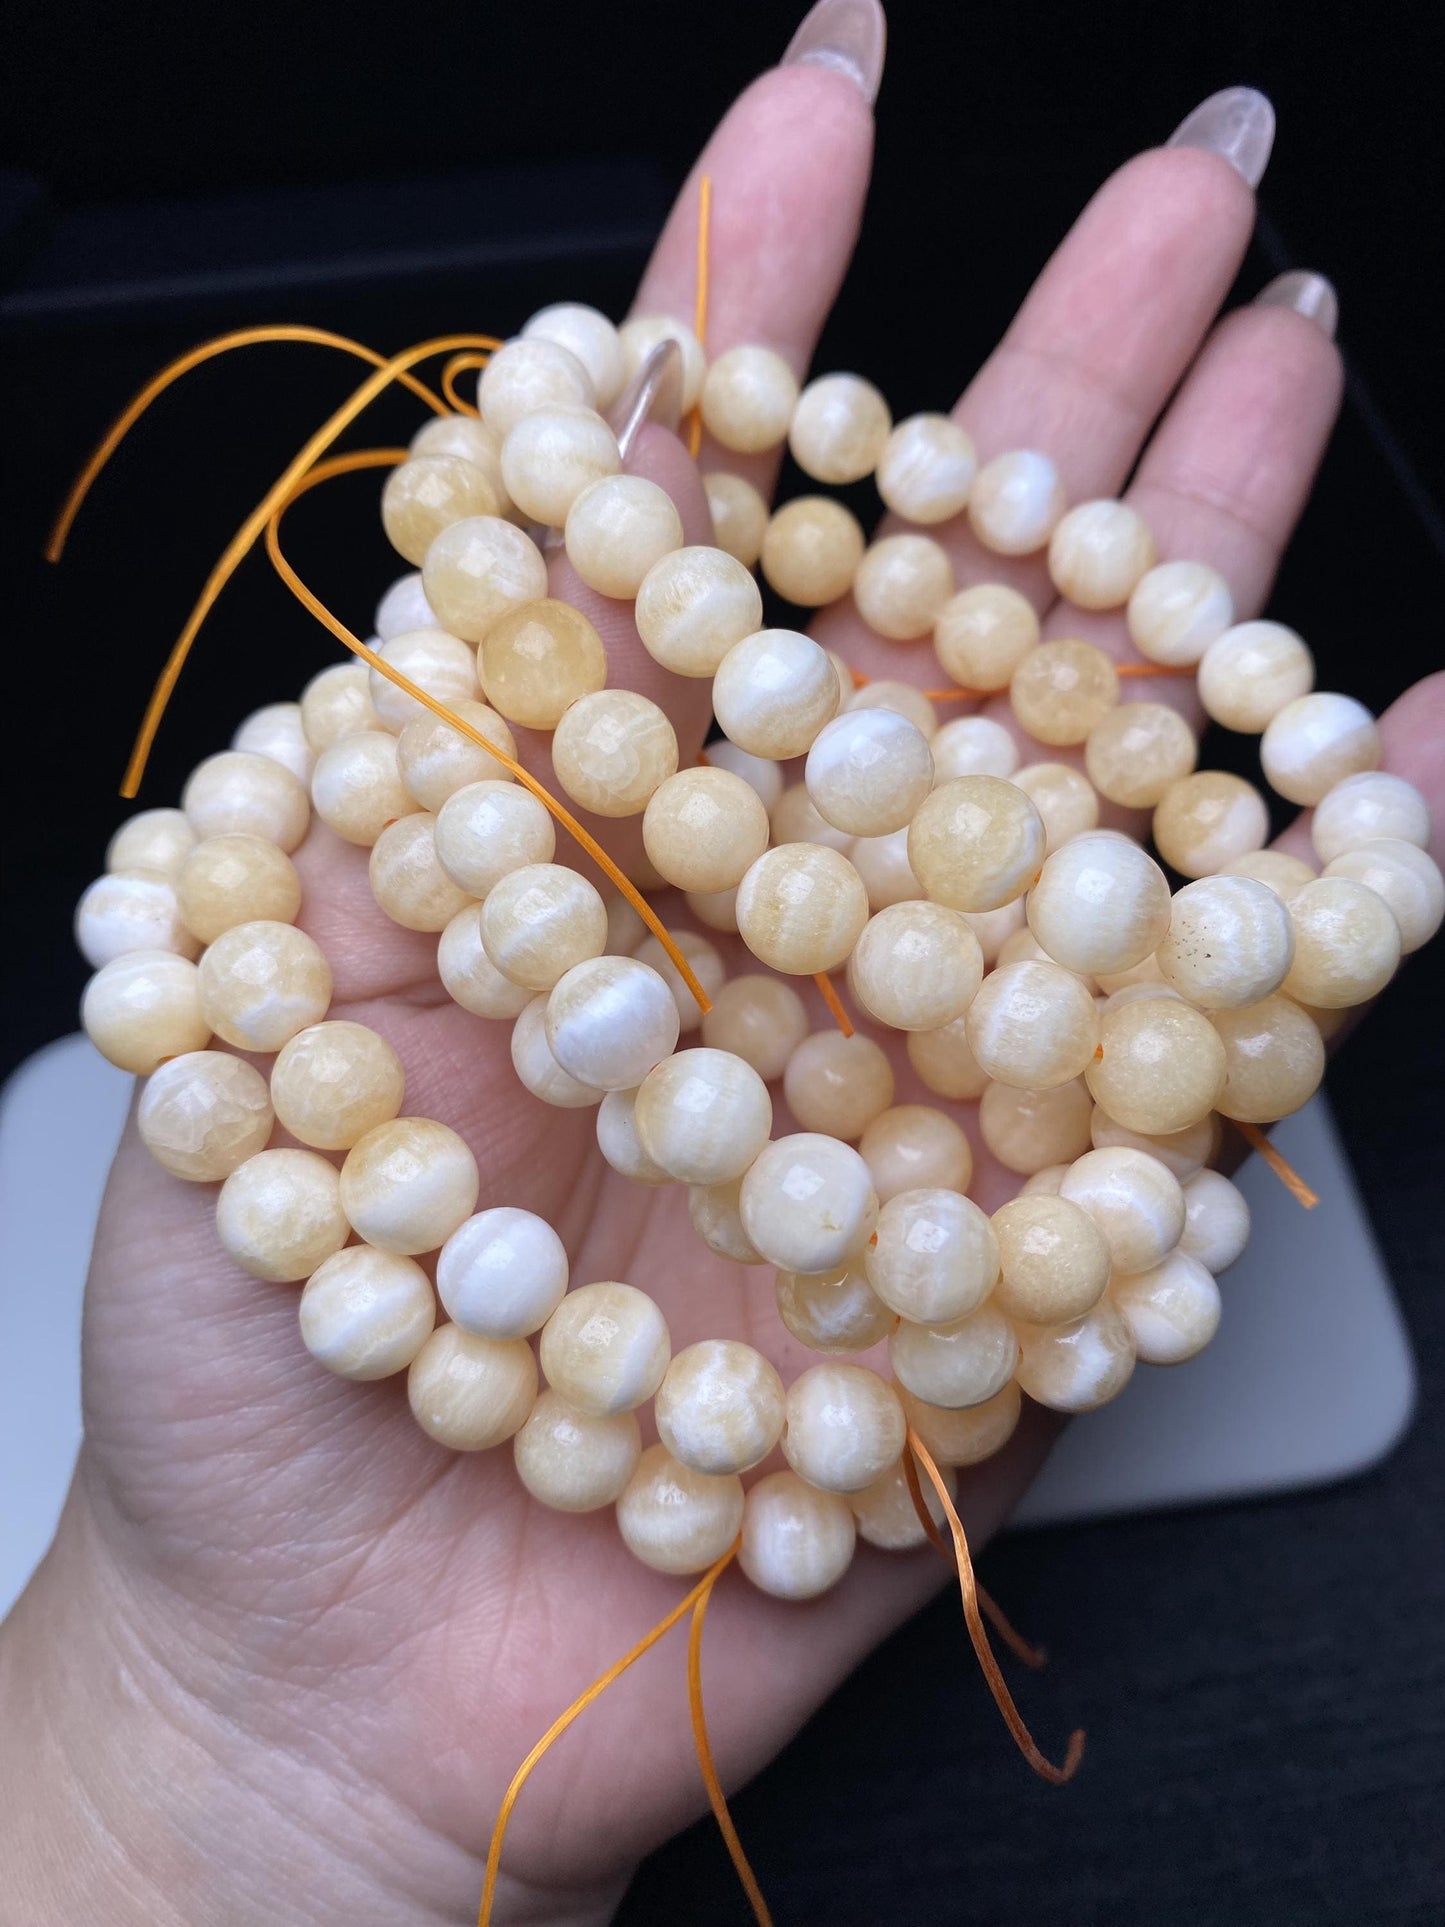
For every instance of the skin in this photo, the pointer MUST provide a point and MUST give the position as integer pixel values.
(284, 1644)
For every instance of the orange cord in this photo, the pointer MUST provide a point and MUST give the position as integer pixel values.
(834, 1002)
(1279, 1164)
(388, 458)
(458, 365)
(699, 312)
(1155, 668)
(1034, 1656)
(716, 1798)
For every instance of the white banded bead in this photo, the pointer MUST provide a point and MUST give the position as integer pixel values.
(407, 1184)
(366, 1314)
(797, 1541)
(502, 1273)
(720, 1407)
(605, 1348)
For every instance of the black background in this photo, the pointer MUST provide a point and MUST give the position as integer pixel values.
(1263, 1684)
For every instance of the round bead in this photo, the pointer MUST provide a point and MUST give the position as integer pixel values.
(902, 584)
(161, 840)
(1282, 873)
(527, 374)
(539, 921)
(739, 516)
(702, 958)
(550, 456)
(837, 1084)
(748, 397)
(808, 1203)
(1101, 903)
(610, 1020)
(794, 820)
(844, 1427)
(536, 1067)
(477, 570)
(1405, 877)
(763, 776)
(1316, 741)
(916, 966)
(716, 908)
(1247, 675)
(237, 879)
(1053, 1260)
(408, 878)
(1274, 1060)
(703, 1115)
(202, 1114)
(797, 1541)
(693, 605)
(868, 771)
(1029, 1131)
(1358, 810)
(612, 750)
(336, 703)
(1136, 751)
(1171, 1310)
(440, 664)
(591, 337)
(1346, 944)
(334, 1082)
(973, 746)
(901, 698)
(716, 1214)
(502, 1273)
(471, 1393)
(1015, 502)
(262, 982)
(885, 1513)
(969, 1435)
(132, 910)
(605, 1348)
(643, 333)
(933, 1258)
(702, 829)
(1080, 1366)
(427, 494)
(276, 731)
(1162, 1065)
(357, 788)
(485, 831)
(676, 1520)
(617, 529)
(1182, 1152)
(536, 659)
(1216, 1221)
(926, 469)
(833, 1311)
(572, 1462)
(773, 692)
(913, 1147)
(811, 550)
(757, 1018)
(720, 1407)
(1177, 610)
(1136, 1202)
(945, 1062)
(280, 1215)
(839, 429)
(468, 974)
(619, 1143)
(1098, 554)
(366, 1314)
(434, 760)
(238, 793)
(1032, 1025)
(144, 1007)
(993, 928)
(404, 605)
(976, 843)
(882, 862)
(982, 634)
(1061, 691)
(1064, 798)
(407, 1184)
(801, 908)
(959, 1364)
(1229, 943)
(1206, 820)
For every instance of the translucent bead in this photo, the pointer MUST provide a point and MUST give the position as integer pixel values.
(1045, 1183)
(760, 773)
(404, 605)
(407, 1184)
(716, 908)
(536, 1067)
(868, 771)
(468, 974)
(773, 692)
(276, 731)
(1206, 820)
(885, 1513)
(471, 1393)
(336, 703)
(154, 840)
(706, 965)
(551, 455)
(945, 1062)
(739, 516)
(1061, 691)
(1032, 1025)
(1053, 1260)
(1230, 942)
(537, 922)
(610, 1020)
(611, 751)
(1098, 554)
(437, 662)
(642, 333)
(427, 494)
(1177, 610)
(926, 469)
(1405, 877)
(1028, 1130)
(334, 1082)
(135, 910)
(794, 820)
(797, 1541)
(1216, 1221)
(970, 1434)
(357, 787)
(262, 982)
(144, 1007)
(1346, 944)
(572, 1462)
(1182, 1152)
(913, 1147)
(844, 1427)
(527, 374)
(720, 1407)
(716, 1214)
(833, 1311)
(916, 966)
(280, 1215)
(617, 529)
(1136, 1202)
(693, 605)
(840, 427)
(1172, 1310)
(502, 1273)
(1015, 502)
(237, 879)
(366, 1314)
(408, 879)
(959, 1364)
(590, 336)
(1316, 741)
(1022, 946)
(837, 1084)
(1100, 904)
(759, 1019)
(901, 698)
(808, 1203)
(1080, 1366)
(676, 1520)
(1064, 798)
(811, 549)
(976, 843)
(1247, 675)
(993, 928)
(619, 1143)
(1136, 751)
(434, 760)
(605, 1348)
(1162, 1066)
(982, 634)
(882, 862)
(748, 397)
(801, 908)
(933, 1257)
(973, 746)
(537, 659)
(237, 793)
(703, 1115)
(902, 584)
(702, 829)
(477, 570)
(1357, 810)
(201, 1115)
(486, 830)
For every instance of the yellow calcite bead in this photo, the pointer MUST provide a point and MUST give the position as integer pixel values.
(811, 549)
(237, 793)
(1100, 904)
(551, 455)
(144, 1007)
(536, 659)
(275, 731)
(1316, 741)
(471, 439)
(1216, 1221)
(833, 1311)
(538, 1070)
(1282, 873)
(868, 771)
(844, 1427)
(366, 1314)
(1162, 1065)
(801, 908)
(236, 879)
(797, 1542)
(945, 1062)
(477, 570)
(280, 1215)
(902, 584)
(969, 1435)
(1015, 502)
(441, 664)
(427, 494)
(1053, 1260)
(839, 429)
(926, 469)
(913, 1147)
(641, 334)
(1172, 1310)
(1098, 554)
(407, 1184)
(976, 843)
(692, 605)
(1063, 796)
(132, 910)
(773, 692)
(933, 1257)
(332, 1083)
(539, 921)
(982, 634)
(703, 828)
(1177, 610)
(617, 529)
(408, 879)
(706, 965)
(610, 1020)
(720, 1407)
(716, 908)
(605, 1348)
(1247, 675)
(590, 336)
(676, 1520)
(201, 1115)
(1136, 1202)
(1136, 751)
(529, 373)
(703, 1115)
(884, 692)
(885, 1513)
(161, 840)
(795, 820)
(882, 862)
(357, 787)
(916, 966)
(1079, 1366)
(973, 746)
(1206, 820)
(739, 515)
(758, 1018)
(1405, 877)
(837, 1084)
(1346, 944)
(1032, 1025)
(748, 397)
(468, 974)
(262, 982)
(336, 703)
(486, 830)
(434, 760)
(716, 1214)
(1061, 691)
(471, 1393)
(1360, 809)
(808, 1203)
(1182, 1152)
(572, 1462)
(955, 1365)
(993, 928)
(1230, 942)
(1029, 1130)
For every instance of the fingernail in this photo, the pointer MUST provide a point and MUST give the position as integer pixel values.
(1237, 123)
(655, 394)
(1308, 294)
(850, 36)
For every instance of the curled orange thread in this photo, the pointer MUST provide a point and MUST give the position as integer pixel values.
(458, 365)
(1034, 1656)
(834, 1002)
(716, 1799)
(699, 311)
(1278, 1163)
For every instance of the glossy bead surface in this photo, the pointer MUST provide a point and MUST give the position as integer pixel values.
(720, 1407)
(537, 922)
(1247, 675)
(132, 910)
(144, 1007)
(703, 1115)
(334, 1082)
(1030, 1130)
(674, 1519)
(945, 1061)
(902, 698)
(1346, 944)
(202, 1114)
(529, 373)
(1357, 810)
(973, 746)
(641, 334)
(477, 570)
(619, 1143)
(797, 1541)
(1230, 942)
(1032, 1025)
(926, 469)
(571, 1461)
(536, 1067)
(1015, 502)
(794, 820)
(801, 908)
(955, 1365)
(468, 974)
(588, 334)
(759, 1019)
(1053, 1260)
(837, 1084)
(976, 843)
(612, 750)
(1182, 1152)
(551, 455)
(356, 786)
(366, 1314)
(703, 960)
(1315, 742)
(236, 879)
(471, 1393)
(1079, 1366)
(427, 494)
(902, 584)
(716, 1214)
(238, 793)
(434, 760)
(439, 663)
(536, 659)
(1100, 904)
(1136, 1202)
(693, 605)
(1405, 877)
(1062, 690)
(982, 634)
(1274, 1060)
(913, 1147)
(760, 773)
(933, 1257)
(703, 827)
(404, 605)
(1136, 751)
(1216, 1221)
(605, 1348)
(748, 397)
(157, 840)
(407, 1184)
(1065, 799)
(617, 529)
(833, 1311)
(1172, 1310)
(868, 771)
(968, 1435)
(1177, 610)
(1162, 1065)
(808, 1203)
(916, 966)
(610, 1020)
(336, 703)
(773, 692)
(1205, 820)
(502, 1273)
(275, 731)
(739, 515)
(280, 1215)
(882, 862)
(844, 1427)
(839, 429)
(1284, 874)
(408, 878)
(262, 982)
(1098, 554)
(485, 831)
(885, 1513)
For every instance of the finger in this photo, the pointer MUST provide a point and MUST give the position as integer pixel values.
(1411, 731)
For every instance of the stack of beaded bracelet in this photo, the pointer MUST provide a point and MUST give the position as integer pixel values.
(1033, 961)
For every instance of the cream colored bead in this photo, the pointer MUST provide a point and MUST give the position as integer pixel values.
(969, 1435)
(1182, 1152)
(1136, 751)
(551, 455)
(885, 1513)
(716, 1214)
(882, 862)
(605, 1348)
(336, 703)
(739, 515)
(839, 429)
(693, 604)
(610, 1020)
(144, 1007)
(537, 922)
(868, 771)
(811, 550)
(612, 750)
(1316, 741)
(135, 910)
(366, 1314)
(1064, 798)
(794, 820)
(702, 829)
(1360, 809)
(716, 908)
(625, 928)
(478, 570)
(471, 1393)
(1062, 691)
(916, 966)
(1100, 904)
(1079, 1366)
(1032, 1025)
(572, 1462)
(617, 530)
(1053, 1260)
(933, 1257)
(1216, 1221)
(773, 692)
(808, 1203)
(441, 664)
(973, 746)
(1146, 971)
(201, 1115)
(404, 605)
(901, 698)
(833, 1311)
(926, 469)
(357, 787)
(797, 1541)
(760, 773)
(704, 961)
(262, 982)
(720, 1407)
(1206, 820)
(527, 374)
(1247, 675)
(590, 336)
(844, 1427)
(502, 1273)
(676, 1520)
(280, 1215)
(641, 334)
(976, 843)
(407, 1184)
(1098, 554)
(902, 584)
(759, 1019)
(238, 793)
(836, 1084)
(434, 760)
(1346, 944)
(1230, 942)
(427, 494)
(982, 634)
(1405, 877)
(1172, 1310)
(914, 1147)
(155, 840)
(1029, 1131)
(1015, 502)
(748, 397)
(955, 1365)
(468, 974)
(1136, 1202)
(536, 1067)
(1161, 1066)
(408, 879)
(334, 1082)
(485, 831)
(537, 659)
(993, 928)
(703, 1115)
(801, 908)
(1177, 610)
(276, 731)
(617, 1140)
(945, 1063)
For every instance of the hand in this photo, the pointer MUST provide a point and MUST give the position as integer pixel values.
(286, 1652)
